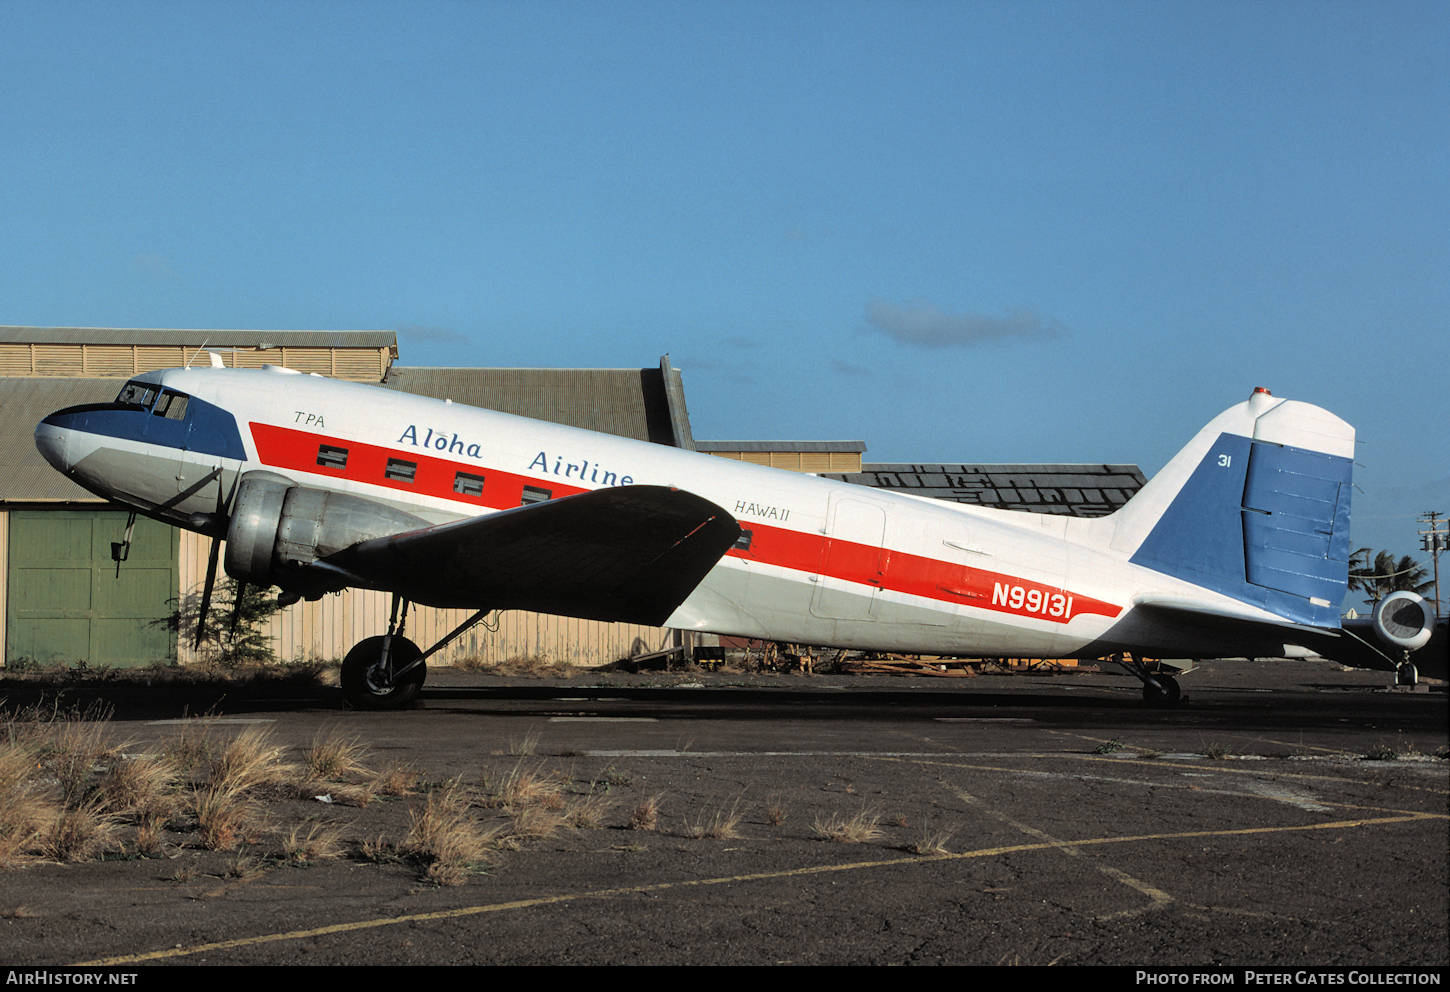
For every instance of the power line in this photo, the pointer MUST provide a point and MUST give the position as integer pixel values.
(1434, 541)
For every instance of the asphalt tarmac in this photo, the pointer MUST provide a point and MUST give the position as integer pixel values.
(1291, 814)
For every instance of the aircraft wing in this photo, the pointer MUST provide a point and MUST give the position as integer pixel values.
(631, 554)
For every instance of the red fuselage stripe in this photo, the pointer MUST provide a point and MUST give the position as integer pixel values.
(298, 451)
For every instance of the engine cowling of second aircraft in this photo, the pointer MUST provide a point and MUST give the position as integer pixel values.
(278, 529)
(1404, 620)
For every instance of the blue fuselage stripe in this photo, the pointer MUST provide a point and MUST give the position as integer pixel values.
(207, 429)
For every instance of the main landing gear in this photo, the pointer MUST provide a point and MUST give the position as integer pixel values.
(1160, 690)
(387, 672)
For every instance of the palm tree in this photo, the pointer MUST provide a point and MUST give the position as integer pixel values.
(1387, 575)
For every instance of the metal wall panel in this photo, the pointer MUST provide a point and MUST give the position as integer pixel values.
(108, 360)
(65, 602)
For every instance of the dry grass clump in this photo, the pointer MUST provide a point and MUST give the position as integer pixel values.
(26, 811)
(312, 841)
(646, 815)
(932, 842)
(74, 750)
(244, 867)
(145, 786)
(149, 837)
(228, 811)
(859, 829)
(146, 792)
(539, 803)
(721, 824)
(537, 666)
(336, 756)
(81, 832)
(525, 786)
(49, 807)
(225, 817)
(393, 780)
(193, 747)
(249, 760)
(67, 792)
(529, 745)
(447, 839)
(588, 811)
(535, 823)
(336, 762)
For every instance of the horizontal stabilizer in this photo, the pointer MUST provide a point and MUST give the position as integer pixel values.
(629, 554)
(1186, 610)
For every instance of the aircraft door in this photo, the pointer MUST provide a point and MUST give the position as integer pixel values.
(170, 425)
(174, 421)
(853, 561)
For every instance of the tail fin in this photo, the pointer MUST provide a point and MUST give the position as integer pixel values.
(1256, 507)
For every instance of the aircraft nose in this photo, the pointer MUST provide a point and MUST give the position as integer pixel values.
(50, 440)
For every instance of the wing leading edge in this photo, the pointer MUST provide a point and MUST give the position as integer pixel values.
(630, 554)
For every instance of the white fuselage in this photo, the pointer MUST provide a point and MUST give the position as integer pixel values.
(827, 562)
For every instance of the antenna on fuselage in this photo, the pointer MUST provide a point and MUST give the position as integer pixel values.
(197, 352)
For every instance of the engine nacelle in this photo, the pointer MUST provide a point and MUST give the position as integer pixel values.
(279, 528)
(1402, 620)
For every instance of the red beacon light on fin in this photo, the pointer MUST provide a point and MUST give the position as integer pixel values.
(1260, 401)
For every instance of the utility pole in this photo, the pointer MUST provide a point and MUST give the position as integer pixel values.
(1435, 540)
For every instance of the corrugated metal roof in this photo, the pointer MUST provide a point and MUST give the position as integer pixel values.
(847, 446)
(1077, 490)
(25, 476)
(14, 334)
(626, 402)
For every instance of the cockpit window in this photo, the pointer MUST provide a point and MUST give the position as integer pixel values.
(171, 405)
(136, 394)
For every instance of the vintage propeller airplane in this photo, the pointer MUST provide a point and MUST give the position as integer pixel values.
(1238, 547)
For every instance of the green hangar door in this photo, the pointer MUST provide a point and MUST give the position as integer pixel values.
(67, 605)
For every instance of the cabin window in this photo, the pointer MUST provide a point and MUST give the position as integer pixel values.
(533, 494)
(401, 471)
(468, 485)
(136, 394)
(331, 457)
(171, 405)
(742, 543)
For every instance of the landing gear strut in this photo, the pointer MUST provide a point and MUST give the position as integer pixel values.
(386, 673)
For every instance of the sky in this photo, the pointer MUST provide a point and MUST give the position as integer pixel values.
(957, 231)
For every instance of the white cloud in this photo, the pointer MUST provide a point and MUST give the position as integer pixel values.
(924, 325)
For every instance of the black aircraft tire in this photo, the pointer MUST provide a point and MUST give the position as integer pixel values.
(360, 695)
(1165, 693)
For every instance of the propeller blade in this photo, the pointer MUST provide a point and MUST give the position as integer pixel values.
(216, 525)
(211, 563)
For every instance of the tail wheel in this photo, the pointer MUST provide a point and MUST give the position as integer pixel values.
(365, 683)
(1161, 690)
